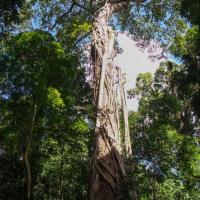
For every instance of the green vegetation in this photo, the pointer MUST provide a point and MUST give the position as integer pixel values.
(165, 139)
(40, 126)
(47, 116)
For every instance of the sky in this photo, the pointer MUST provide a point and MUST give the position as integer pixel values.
(134, 61)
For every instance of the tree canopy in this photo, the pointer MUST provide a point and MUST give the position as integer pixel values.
(48, 103)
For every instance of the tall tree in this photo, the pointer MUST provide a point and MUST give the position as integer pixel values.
(35, 72)
(145, 20)
(165, 138)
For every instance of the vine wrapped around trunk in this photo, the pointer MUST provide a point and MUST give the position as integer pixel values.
(107, 164)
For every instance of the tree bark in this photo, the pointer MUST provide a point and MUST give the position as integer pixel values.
(107, 164)
(26, 154)
(127, 139)
(28, 174)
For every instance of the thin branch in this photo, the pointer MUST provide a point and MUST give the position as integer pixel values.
(117, 6)
(82, 6)
(74, 3)
(80, 39)
(63, 15)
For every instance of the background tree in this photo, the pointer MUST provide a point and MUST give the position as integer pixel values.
(166, 154)
(39, 95)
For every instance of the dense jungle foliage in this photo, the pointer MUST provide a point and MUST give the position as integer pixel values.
(47, 117)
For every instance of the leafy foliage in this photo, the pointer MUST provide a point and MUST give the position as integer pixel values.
(190, 10)
(46, 101)
(165, 142)
(37, 73)
(9, 14)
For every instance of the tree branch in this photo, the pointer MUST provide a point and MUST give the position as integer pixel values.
(74, 3)
(80, 39)
(81, 6)
(120, 4)
(63, 15)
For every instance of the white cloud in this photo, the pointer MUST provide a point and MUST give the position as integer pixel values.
(134, 61)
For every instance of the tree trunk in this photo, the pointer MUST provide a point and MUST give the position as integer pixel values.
(28, 174)
(26, 154)
(127, 139)
(60, 192)
(107, 164)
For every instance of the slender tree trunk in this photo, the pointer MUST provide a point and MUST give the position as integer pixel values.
(107, 166)
(60, 193)
(127, 139)
(26, 155)
(28, 174)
